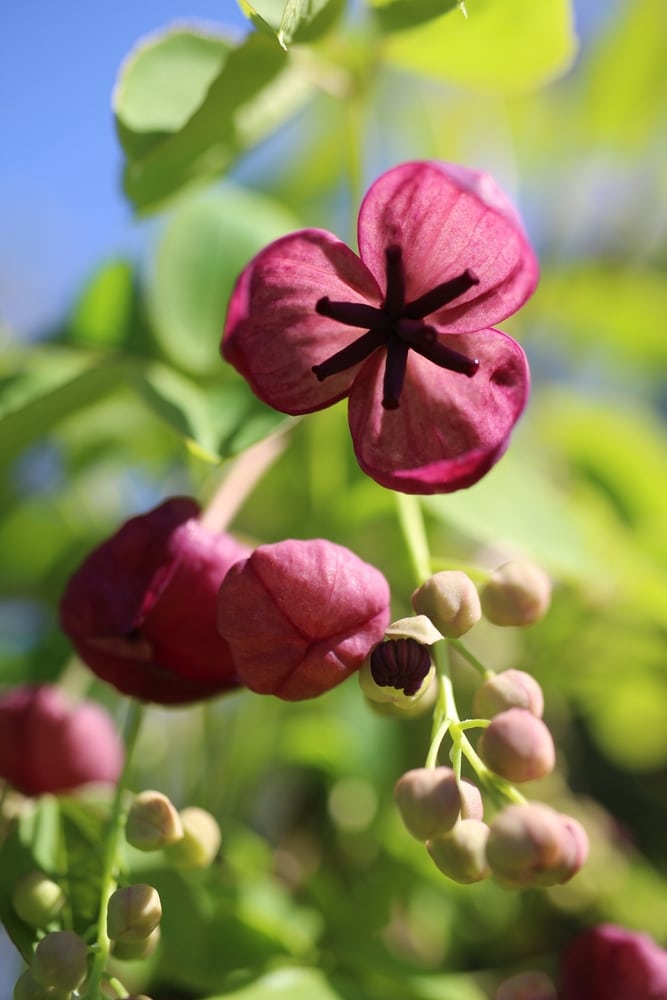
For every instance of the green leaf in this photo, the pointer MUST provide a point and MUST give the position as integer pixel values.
(101, 316)
(293, 20)
(206, 244)
(288, 984)
(47, 386)
(396, 15)
(507, 47)
(254, 91)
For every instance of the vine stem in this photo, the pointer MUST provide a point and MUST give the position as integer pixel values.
(411, 521)
(110, 854)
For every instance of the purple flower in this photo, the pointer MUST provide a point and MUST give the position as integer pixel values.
(50, 746)
(140, 610)
(404, 329)
(301, 616)
(610, 963)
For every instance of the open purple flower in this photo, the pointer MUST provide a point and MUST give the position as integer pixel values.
(140, 610)
(405, 329)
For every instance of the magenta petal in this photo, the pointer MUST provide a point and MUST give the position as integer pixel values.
(446, 219)
(448, 429)
(273, 336)
(611, 963)
(300, 616)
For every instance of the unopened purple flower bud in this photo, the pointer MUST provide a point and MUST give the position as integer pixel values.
(451, 601)
(612, 963)
(509, 689)
(517, 746)
(60, 960)
(48, 745)
(37, 899)
(472, 806)
(140, 610)
(461, 853)
(301, 616)
(428, 800)
(534, 845)
(200, 841)
(517, 593)
(152, 822)
(133, 912)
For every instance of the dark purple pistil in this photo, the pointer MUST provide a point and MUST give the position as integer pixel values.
(397, 326)
(401, 664)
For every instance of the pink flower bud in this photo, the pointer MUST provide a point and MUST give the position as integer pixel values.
(50, 746)
(60, 960)
(460, 854)
(517, 746)
(451, 601)
(534, 845)
(509, 689)
(517, 593)
(472, 806)
(428, 800)
(140, 610)
(152, 822)
(611, 963)
(301, 616)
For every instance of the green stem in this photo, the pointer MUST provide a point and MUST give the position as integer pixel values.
(471, 658)
(110, 855)
(411, 521)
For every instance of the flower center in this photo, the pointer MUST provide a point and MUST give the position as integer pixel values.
(400, 663)
(397, 326)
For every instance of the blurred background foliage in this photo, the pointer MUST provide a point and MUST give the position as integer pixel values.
(320, 893)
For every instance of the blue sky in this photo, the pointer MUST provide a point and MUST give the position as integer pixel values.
(61, 207)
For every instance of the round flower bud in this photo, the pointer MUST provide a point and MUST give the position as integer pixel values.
(28, 988)
(517, 746)
(612, 963)
(37, 899)
(460, 854)
(48, 745)
(428, 800)
(60, 960)
(533, 985)
(301, 616)
(140, 610)
(534, 845)
(517, 593)
(451, 601)
(152, 822)
(417, 627)
(133, 951)
(509, 689)
(133, 912)
(200, 842)
(472, 806)
(398, 671)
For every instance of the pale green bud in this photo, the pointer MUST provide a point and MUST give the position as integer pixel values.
(200, 842)
(461, 853)
(428, 800)
(27, 988)
(37, 899)
(133, 912)
(61, 961)
(450, 600)
(134, 951)
(152, 822)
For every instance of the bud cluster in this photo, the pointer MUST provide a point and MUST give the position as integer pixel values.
(523, 844)
(190, 838)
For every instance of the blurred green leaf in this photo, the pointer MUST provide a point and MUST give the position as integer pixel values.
(507, 47)
(395, 15)
(102, 314)
(290, 984)
(293, 20)
(254, 90)
(205, 246)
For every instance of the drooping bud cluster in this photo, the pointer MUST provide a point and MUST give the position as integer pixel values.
(190, 838)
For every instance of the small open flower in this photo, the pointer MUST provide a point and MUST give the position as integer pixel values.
(300, 616)
(404, 329)
(50, 746)
(140, 610)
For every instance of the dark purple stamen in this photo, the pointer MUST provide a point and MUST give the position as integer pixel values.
(401, 664)
(398, 327)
